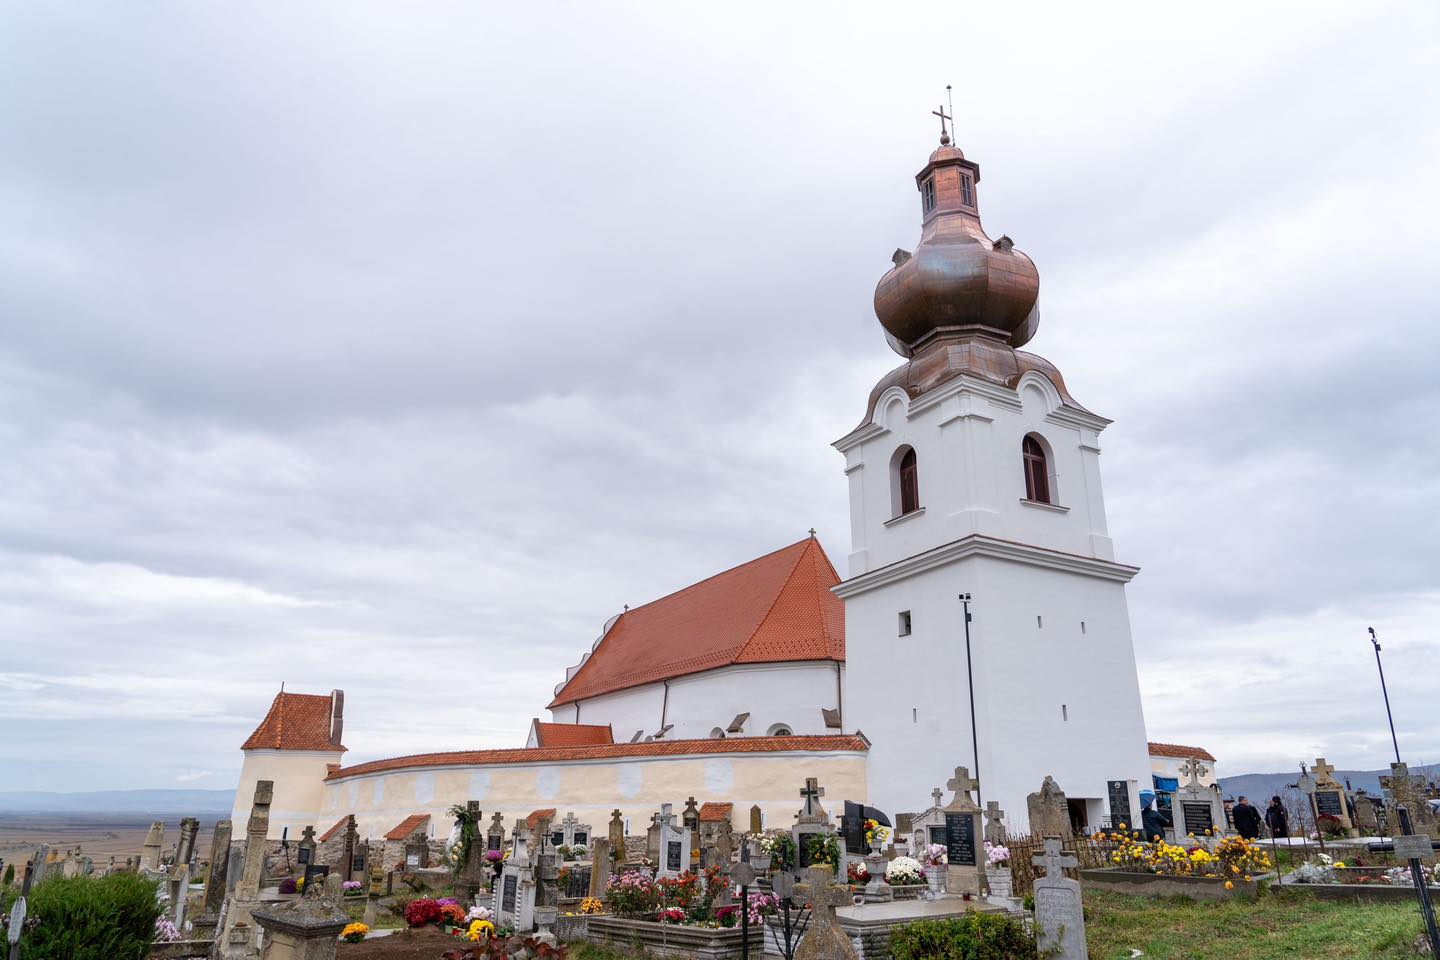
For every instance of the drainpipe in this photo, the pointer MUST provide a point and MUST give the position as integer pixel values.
(840, 695)
(664, 704)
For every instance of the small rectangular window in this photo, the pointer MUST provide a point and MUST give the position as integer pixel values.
(928, 193)
(1082, 628)
(965, 193)
(904, 623)
(914, 714)
(1039, 622)
(1064, 713)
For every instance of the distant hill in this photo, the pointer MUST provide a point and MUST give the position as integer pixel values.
(158, 802)
(1255, 785)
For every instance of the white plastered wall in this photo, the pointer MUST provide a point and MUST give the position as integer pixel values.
(298, 776)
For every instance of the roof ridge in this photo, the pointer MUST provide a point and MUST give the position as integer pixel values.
(715, 576)
(740, 650)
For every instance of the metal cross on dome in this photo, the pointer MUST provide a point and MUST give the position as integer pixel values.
(962, 782)
(1054, 859)
(944, 134)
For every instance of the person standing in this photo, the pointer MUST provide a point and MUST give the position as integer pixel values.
(1276, 819)
(1247, 819)
(1153, 821)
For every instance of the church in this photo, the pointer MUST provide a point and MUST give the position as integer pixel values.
(981, 621)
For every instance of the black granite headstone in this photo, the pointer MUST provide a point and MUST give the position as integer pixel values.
(960, 839)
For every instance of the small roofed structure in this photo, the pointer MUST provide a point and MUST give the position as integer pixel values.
(544, 734)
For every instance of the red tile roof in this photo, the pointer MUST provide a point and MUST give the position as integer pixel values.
(774, 609)
(296, 721)
(408, 826)
(715, 812)
(612, 751)
(339, 825)
(1180, 752)
(548, 813)
(572, 734)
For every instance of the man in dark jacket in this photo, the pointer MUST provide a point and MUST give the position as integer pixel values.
(1247, 819)
(1153, 821)
(1276, 819)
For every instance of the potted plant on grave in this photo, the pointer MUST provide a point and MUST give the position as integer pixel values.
(824, 848)
(997, 869)
(936, 871)
(780, 848)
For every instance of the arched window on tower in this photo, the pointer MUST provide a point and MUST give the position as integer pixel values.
(909, 481)
(1037, 470)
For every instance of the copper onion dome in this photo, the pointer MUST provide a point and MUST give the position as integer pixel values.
(958, 283)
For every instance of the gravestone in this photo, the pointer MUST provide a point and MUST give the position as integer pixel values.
(616, 836)
(652, 837)
(1366, 820)
(1049, 812)
(348, 845)
(718, 851)
(1196, 807)
(928, 826)
(1401, 787)
(215, 873)
(179, 881)
(574, 833)
(674, 845)
(1329, 796)
(824, 940)
(305, 849)
(417, 850)
(154, 843)
(515, 888)
(690, 819)
(964, 856)
(1059, 915)
(994, 823)
(757, 819)
(471, 875)
(600, 866)
(1120, 810)
(811, 822)
(495, 835)
(238, 936)
(302, 929)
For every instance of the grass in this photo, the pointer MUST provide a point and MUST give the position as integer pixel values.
(1271, 928)
(1283, 927)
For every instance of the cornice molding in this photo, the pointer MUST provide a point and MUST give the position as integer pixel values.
(976, 545)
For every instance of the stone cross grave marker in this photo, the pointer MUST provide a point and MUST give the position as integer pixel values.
(1059, 916)
(1196, 807)
(652, 836)
(179, 882)
(690, 817)
(237, 938)
(352, 837)
(154, 843)
(963, 833)
(810, 822)
(824, 940)
(1329, 796)
(305, 849)
(994, 822)
(757, 819)
(215, 873)
(616, 837)
(674, 846)
(515, 888)
(495, 836)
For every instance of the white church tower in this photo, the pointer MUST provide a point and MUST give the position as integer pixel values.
(976, 473)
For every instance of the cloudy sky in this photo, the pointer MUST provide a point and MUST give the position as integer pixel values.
(395, 347)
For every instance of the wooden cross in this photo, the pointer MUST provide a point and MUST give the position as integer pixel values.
(1322, 770)
(943, 117)
(961, 783)
(812, 792)
(1054, 859)
(938, 796)
(1193, 769)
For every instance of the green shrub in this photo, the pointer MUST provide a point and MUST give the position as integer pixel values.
(9, 875)
(92, 918)
(975, 936)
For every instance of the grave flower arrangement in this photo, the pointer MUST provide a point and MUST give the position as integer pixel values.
(479, 930)
(935, 855)
(420, 912)
(166, 931)
(632, 892)
(354, 933)
(592, 905)
(903, 871)
(452, 913)
(780, 847)
(479, 913)
(997, 855)
(824, 848)
(856, 872)
(351, 887)
(1234, 857)
(875, 833)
